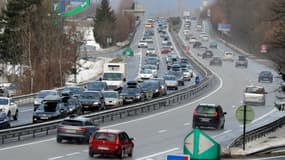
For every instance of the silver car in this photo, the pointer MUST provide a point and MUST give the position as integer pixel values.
(254, 95)
(171, 81)
(112, 99)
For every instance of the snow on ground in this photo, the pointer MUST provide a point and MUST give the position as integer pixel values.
(87, 70)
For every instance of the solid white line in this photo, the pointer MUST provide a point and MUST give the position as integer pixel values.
(72, 154)
(225, 132)
(162, 131)
(157, 154)
(27, 110)
(186, 124)
(265, 115)
(54, 158)
(27, 144)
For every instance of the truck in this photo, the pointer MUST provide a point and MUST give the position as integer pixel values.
(114, 74)
(186, 14)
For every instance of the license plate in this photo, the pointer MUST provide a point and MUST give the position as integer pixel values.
(70, 131)
(129, 100)
(44, 117)
(205, 119)
(103, 148)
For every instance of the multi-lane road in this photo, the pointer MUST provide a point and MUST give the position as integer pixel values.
(162, 133)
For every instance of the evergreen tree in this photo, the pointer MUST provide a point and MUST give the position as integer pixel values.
(104, 24)
(11, 22)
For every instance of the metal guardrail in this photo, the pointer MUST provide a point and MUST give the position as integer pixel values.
(258, 132)
(168, 101)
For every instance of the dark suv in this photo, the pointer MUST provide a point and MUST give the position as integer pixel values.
(209, 115)
(79, 128)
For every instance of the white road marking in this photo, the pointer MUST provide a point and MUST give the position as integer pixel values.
(157, 154)
(162, 131)
(27, 110)
(225, 132)
(27, 144)
(186, 124)
(265, 115)
(54, 158)
(72, 154)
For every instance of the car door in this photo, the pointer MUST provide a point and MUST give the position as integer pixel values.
(126, 142)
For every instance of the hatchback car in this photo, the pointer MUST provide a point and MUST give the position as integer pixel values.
(78, 128)
(241, 62)
(254, 95)
(112, 99)
(207, 54)
(111, 142)
(228, 56)
(171, 81)
(92, 100)
(41, 95)
(265, 76)
(213, 45)
(209, 115)
(216, 61)
(162, 85)
(9, 107)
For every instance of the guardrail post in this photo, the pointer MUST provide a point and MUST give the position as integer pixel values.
(19, 136)
(3, 139)
(47, 131)
(34, 132)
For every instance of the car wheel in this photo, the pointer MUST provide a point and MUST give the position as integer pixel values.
(183, 84)
(176, 88)
(16, 115)
(91, 154)
(223, 126)
(121, 155)
(9, 115)
(58, 139)
(131, 153)
(194, 125)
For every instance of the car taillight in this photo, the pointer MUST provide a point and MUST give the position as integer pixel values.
(117, 141)
(217, 115)
(82, 129)
(194, 114)
(60, 127)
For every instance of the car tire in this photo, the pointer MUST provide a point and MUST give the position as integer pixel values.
(223, 126)
(15, 117)
(121, 154)
(58, 139)
(131, 153)
(91, 154)
(9, 115)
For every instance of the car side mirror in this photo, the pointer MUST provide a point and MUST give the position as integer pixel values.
(225, 113)
(132, 139)
(124, 80)
(100, 79)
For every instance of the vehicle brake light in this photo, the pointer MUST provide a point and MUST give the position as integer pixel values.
(60, 127)
(82, 129)
(117, 141)
(217, 115)
(194, 114)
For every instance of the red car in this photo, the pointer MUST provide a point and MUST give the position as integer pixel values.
(165, 50)
(111, 142)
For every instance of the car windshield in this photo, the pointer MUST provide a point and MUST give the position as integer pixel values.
(265, 73)
(72, 123)
(4, 101)
(73, 90)
(110, 94)
(50, 106)
(112, 76)
(94, 85)
(130, 90)
(170, 78)
(90, 95)
(149, 67)
(206, 109)
(146, 71)
(149, 84)
(257, 90)
(105, 136)
(242, 58)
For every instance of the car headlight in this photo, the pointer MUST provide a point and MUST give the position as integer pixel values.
(138, 97)
(96, 103)
(156, 90)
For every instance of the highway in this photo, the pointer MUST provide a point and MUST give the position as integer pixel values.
(162, 133)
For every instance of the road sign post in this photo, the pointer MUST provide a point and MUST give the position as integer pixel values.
(244, 115)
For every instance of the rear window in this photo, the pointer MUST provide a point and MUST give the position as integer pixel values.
(72, 123)
(105, 136)
(206, 109)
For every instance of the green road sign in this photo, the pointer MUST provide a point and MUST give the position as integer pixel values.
(199, 146)
(249, 114)
(128, 52)
(77, 9)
